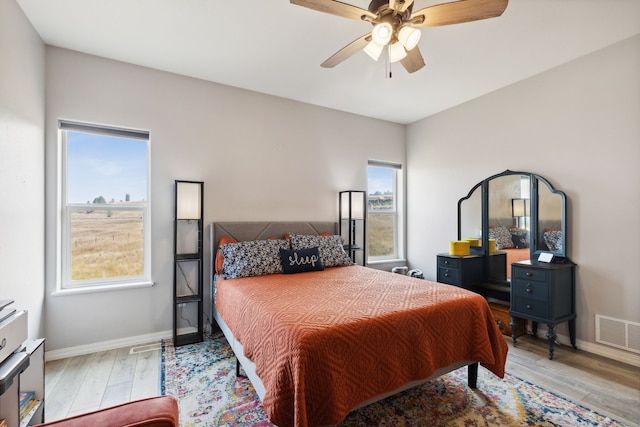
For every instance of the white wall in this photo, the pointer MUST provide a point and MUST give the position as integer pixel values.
(577, 125)
(22, 56)
(261, 158)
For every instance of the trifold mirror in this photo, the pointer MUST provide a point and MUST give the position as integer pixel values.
(521, 212)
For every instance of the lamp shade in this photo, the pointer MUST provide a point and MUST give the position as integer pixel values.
(409, 37)
(518, 207)
(396, 52)
(352, 201)
(373, 50)
(188, 200)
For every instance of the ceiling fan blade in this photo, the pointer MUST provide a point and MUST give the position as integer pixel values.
(347, 51)
(457, 12)
(413, 61)
(336, 8)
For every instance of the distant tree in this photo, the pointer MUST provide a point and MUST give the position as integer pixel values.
(98, 200)
(112, 200)
(127, 197)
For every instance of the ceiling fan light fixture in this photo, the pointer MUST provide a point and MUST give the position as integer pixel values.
(409, 37)
(396, 52)
(373, 49)
(382, 33)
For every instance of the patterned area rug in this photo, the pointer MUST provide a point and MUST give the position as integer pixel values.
(202, 377)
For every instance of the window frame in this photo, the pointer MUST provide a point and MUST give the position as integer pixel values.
(65, 285)
(398, 210)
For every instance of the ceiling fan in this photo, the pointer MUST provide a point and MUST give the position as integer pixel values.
(397, 28)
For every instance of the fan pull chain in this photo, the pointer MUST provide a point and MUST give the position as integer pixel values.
(387, 71)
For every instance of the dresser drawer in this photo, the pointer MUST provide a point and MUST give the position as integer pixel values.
(449, 276)
(448, 262)
(533, 274)
(530, 289)
(529, 307)
(13, 332)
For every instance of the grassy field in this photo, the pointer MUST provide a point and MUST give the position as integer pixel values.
(106, 244)
(379, 234)
(109, 244)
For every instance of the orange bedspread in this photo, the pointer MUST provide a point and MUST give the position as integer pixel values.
(325, 341)
(515, 255)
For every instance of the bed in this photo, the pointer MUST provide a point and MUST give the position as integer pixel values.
(318, 344)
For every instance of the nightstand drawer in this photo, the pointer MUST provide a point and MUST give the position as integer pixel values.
(448, 262)
(450, 276)
(534, 274)
(530, 289)
(529, 307)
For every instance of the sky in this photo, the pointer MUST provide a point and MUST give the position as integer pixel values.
(107, 166)
(380, 179)
(112, 167)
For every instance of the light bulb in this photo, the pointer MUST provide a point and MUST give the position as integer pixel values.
(381, 33)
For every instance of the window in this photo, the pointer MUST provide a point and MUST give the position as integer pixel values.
(104, 215)
(384, 212)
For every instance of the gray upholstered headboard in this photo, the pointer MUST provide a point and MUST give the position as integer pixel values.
(265, 229)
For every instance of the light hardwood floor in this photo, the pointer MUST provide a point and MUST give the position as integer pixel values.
(84, 383)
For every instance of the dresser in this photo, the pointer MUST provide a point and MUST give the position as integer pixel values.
(544, 292)
(471, 272)
(461, 271)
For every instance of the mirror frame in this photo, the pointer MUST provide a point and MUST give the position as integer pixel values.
(535, 181)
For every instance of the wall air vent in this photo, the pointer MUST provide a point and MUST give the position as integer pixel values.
(618, 333)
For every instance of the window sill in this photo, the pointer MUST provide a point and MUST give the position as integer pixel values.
(102, 288)
(388, 261)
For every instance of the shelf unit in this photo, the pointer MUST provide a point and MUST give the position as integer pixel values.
(352, 208)
(23, 372)
(188, 300)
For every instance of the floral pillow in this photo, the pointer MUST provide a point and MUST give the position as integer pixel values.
(252, 258)
(331, 248)
(553, 240)
(502, 236)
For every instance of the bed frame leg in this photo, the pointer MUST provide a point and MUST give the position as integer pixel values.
(238, 369)
(472, 375)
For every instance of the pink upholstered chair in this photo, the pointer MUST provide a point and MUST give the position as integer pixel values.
(160, 411)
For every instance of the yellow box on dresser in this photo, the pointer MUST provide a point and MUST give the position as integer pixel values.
(503, 319)
(473, 241)
(459, 247)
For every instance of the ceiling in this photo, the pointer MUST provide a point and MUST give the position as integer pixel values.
(274, 47)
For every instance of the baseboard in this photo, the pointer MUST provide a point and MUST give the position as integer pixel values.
(599, 349)
(80, 350)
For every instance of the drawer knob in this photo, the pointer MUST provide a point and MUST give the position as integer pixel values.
(529, 289)
(529, 307)
(446, 274)
(446, 262)
(528, 274)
